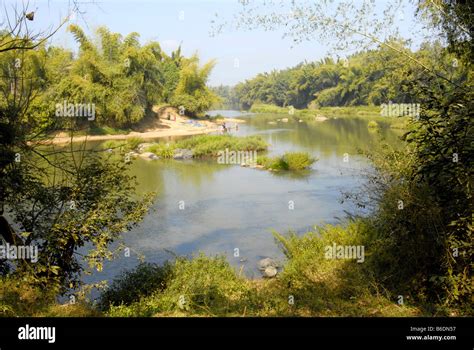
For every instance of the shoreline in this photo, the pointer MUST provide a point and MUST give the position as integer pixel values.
(144, 135)
(171, 129)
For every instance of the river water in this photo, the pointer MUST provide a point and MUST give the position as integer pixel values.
(229, 207)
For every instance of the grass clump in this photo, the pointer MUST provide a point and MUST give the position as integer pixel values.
(130, 144)
(362, 111)
(292, 161)
(267, 108)
(372, 124)
(371, 113)
(165, 151)
(133, 143)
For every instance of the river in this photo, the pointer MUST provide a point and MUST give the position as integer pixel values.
(229, 207)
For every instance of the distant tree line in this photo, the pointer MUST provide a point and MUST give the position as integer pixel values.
(370, 77)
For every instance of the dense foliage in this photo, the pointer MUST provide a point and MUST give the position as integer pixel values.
(366, 78)
(58, 200)
(120, 76)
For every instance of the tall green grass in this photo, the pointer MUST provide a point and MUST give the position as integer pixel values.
(162, 150)
(127, 145)
(326, 111)
(317, 286)
(367, 112)
(289, 161)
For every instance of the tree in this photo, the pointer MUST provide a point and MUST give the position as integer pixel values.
(191, 91)
(57, 199)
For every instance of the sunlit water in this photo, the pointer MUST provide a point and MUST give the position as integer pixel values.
(229, 206)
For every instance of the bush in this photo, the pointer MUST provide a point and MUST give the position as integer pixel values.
(298, 160)
(202, 285)
(421, 215)
(144, 280)
(18, 298)
(326, 286)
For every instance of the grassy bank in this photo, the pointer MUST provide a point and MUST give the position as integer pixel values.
(371, 113)
(309, 284)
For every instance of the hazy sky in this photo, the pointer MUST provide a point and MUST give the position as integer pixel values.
(171, 22)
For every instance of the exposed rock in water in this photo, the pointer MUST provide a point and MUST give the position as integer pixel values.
(285, 120)
(267, 262)
(320, 118)
(270, 272)
(149, 156)
(268, 267)
(183, 154)
(258, 166)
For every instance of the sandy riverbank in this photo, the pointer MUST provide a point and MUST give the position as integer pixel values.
(180, 126)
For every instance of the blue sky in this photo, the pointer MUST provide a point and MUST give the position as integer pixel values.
(188, 22)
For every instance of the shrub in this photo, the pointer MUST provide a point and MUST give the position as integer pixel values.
(298, 160)
(289, 161)
(326, 286)
(130, 286)
(201, 285)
